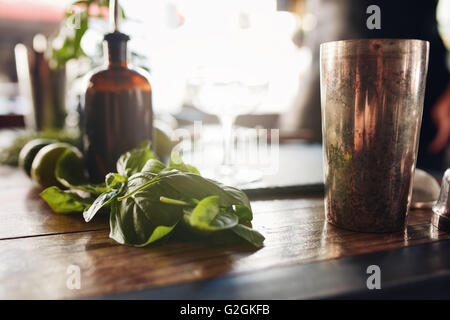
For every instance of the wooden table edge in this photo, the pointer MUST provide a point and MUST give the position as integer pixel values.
(423, 265)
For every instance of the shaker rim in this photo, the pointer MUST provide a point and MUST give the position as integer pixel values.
(372, 46)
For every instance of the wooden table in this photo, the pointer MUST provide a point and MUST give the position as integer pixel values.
(303, 256)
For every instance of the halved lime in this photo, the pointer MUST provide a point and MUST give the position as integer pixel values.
(29, 151)
(44, 164)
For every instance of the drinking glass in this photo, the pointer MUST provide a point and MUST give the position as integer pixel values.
(372, 93)
(228, 93)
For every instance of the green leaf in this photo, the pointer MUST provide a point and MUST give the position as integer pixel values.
(162, 142)
(238, 196)
(158, 233)
(65, 201)
(244, 213)
(136, 219)
(187, 186)
(133, 161)
(71, 48)
(102, 201)
(150, 202)
(138, 182)
(137, 222)
(177, 163)
(205, 211)
(222, 220)
(69, 171)
(113, 180)
(204, 214)
(153, 166)
(252, 236)
(193, 186)
(95, 189)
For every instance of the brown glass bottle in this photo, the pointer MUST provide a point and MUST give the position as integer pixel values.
(117, 110)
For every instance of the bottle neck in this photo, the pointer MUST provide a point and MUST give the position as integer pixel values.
(116, 46)
(117, 53)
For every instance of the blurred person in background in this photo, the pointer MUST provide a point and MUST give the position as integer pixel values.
(413, 19)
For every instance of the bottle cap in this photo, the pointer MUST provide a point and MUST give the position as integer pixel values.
(116, 36)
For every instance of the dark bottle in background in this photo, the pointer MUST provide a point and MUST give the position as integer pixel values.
(117, 113)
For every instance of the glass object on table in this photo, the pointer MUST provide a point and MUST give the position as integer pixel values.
(372, 93)
(228, 93)
(441, 209)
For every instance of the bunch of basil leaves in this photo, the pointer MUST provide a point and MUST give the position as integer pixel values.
(147, 200)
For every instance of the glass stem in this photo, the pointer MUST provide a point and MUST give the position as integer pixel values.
(227, 131)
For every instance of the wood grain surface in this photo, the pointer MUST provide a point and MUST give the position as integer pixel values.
(24, 214)
(37, 246)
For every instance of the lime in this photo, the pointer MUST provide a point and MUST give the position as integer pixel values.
(44, 164)
(29, 151)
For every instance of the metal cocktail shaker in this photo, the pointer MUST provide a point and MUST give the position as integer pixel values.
(372, 93)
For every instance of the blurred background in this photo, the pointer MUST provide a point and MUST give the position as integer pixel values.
(48, 46)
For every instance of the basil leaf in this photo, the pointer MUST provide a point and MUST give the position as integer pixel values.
(134, 160)
(193, 186)
(153, 166)
(240, 198)
(205, 211)
(114, 179)
(69, 171)
(102, 201)
(142, 218)
(244, 213)
(158, 233)
(162, 141)
(252, 236)
(147, 201)
(65, 201)
(95, 189)
(138, 182)
(177, 163)
(222, 221)
(185, 185)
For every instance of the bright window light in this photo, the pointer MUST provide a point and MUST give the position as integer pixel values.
(180, 37)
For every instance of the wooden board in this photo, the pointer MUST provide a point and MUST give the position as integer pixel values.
(37, 247)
